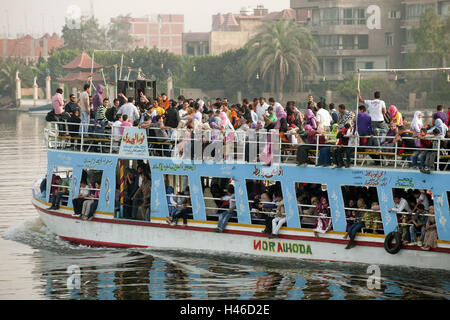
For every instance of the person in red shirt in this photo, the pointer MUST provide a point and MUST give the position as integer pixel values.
(418, 156)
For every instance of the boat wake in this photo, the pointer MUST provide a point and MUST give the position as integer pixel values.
(34, 233)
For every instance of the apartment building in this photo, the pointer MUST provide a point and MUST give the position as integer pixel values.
(29, 48)
(163, 31)
(362, 34)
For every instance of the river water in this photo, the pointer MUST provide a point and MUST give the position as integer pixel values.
(34, 263)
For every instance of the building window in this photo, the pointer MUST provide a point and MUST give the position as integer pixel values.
(394, 15)
(348, 42)
(389, 39)
(354, 16)
(331, 66)
(409, 37)
(348, 65)
(330, 16)
(414, 11)
(363, 41)
(365, 65)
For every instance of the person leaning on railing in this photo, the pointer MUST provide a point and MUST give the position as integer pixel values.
(431, 155)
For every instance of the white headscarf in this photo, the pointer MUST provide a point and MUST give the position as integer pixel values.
(439, 124)
(416, 123)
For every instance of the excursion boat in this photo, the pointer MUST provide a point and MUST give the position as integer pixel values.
(98, 157)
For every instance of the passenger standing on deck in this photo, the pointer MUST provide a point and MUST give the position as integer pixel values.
(97, 100)
(130, 110)
(226, 215)
(377, 109)
(85, 108)
(58, 102)
(323, 117)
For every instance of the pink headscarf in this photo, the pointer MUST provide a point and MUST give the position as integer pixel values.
(308, 128)
(281, 114)
(393, 111)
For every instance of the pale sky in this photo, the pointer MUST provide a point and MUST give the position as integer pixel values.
(38, 17)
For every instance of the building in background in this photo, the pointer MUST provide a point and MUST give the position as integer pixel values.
(163, 31)
(231, 31)
(28, 48)
(363, 34)
(196, 43)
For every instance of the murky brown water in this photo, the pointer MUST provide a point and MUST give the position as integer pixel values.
(34, 262)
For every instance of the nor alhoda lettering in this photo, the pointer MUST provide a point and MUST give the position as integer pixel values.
(281, 247)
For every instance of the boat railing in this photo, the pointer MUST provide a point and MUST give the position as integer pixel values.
(239, 146)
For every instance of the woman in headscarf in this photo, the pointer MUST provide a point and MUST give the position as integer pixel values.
(323, 223)
(430, 240)
(395, 115)
(439, 124)
(417, 123)
(97, 101)
(310, 119)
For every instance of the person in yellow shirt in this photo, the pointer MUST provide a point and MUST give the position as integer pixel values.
(395, 116)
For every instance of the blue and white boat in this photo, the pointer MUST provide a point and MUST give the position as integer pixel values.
(95, 157)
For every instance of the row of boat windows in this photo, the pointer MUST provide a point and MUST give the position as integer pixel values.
(262, 196)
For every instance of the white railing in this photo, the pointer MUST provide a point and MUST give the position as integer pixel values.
(239, 146)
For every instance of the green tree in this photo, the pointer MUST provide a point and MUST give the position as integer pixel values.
(282, 50)
(432, 38)
(118, 34)
(88, 35)
(8, 69)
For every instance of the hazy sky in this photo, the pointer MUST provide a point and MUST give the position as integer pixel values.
(38, 17)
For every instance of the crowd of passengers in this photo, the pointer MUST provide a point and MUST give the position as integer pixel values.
(339, 130)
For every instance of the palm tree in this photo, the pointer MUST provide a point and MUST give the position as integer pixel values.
(8, 69)
(282, 49)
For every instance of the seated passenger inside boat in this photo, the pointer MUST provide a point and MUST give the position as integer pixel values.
(59, 188)
(230, 202)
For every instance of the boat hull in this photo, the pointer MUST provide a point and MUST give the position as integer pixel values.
(300, 244)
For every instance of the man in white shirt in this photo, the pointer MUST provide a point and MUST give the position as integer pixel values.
(421, 198)
(261, 109)
(130, 110)
(323, 117)
(275, 105)
(400, 205)
(376, 109)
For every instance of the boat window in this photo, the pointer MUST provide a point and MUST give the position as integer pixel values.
(405, 201)
(66, 174)
(93, 180)
(132, 199)
(363, 202)
(262, 198)
(178, 194)
(215, 192)
(308, 195)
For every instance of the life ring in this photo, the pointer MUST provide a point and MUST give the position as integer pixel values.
(393, 249)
